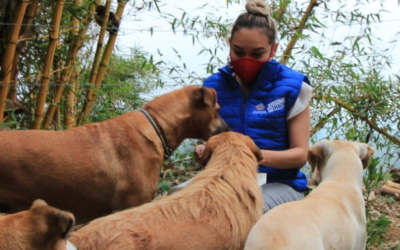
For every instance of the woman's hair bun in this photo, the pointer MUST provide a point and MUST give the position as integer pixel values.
(258, 7)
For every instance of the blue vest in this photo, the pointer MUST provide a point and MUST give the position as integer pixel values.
(263, 115)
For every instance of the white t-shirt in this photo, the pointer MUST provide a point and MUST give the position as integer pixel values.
(302, 101)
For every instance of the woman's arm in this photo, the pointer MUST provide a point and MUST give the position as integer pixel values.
(299, 135)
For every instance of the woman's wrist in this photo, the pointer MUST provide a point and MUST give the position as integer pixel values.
(266, 158)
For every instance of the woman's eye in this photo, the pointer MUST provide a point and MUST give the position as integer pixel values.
(256, 55)
(239, 53)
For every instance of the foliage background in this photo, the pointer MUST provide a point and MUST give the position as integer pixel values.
(339, 45)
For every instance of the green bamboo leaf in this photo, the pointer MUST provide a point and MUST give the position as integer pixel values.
(316, 53)
(156, 4)
(173, 24)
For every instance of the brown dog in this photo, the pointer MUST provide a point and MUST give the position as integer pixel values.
(332, 216)
(215, 211)
(103, 167)
(39, 228)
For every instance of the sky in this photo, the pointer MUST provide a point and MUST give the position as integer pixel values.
(168, 43)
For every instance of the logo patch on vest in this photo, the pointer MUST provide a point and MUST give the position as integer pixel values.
(271, 107)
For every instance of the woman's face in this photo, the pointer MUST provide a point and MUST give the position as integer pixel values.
(252, 43)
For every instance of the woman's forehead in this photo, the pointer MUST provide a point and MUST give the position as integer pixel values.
(253, 38)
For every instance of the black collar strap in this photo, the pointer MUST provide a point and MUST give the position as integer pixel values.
(160, 133)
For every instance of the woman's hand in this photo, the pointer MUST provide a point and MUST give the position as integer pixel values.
(198, 152)
(296, 155)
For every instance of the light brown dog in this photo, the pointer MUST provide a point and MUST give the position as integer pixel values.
(332, 216)
(40, 228)
(215, 211)
(103, 167)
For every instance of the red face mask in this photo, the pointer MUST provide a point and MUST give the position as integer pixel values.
(247, 68)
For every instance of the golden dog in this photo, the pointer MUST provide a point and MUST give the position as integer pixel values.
(40, 228)
(332, 216)
(103, 167)
(215, 211)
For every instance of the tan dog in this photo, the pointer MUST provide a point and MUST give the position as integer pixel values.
(103, 167)
(215, 211)
(39, 228)
(332, 216)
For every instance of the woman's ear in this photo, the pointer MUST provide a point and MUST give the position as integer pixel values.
(274, 48)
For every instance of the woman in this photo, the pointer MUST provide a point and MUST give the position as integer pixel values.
(267, 101)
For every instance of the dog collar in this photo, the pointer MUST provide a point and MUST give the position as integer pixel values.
(160, 133)
(71, 246)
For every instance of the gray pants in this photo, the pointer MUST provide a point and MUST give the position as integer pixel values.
(274, 194)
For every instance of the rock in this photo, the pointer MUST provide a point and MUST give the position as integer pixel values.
(371, 196)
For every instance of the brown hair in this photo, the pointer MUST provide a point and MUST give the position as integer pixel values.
(256, 16)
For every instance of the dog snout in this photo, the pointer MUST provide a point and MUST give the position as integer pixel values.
(223, 127)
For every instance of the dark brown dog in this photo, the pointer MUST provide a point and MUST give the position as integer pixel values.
(214, 212)
(40, 228)
(99, 168)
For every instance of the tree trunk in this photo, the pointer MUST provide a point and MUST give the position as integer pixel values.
(51, 48)
(299, 29)
(8, 57)
(103, 64)
(77, 44)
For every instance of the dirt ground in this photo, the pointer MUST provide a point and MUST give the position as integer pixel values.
(386, 205)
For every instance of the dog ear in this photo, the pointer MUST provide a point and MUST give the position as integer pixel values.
(366, 152)
(38, 203)
(59, 223)
(254, 149)
(317, 152)
(64, 221)
(206, 96)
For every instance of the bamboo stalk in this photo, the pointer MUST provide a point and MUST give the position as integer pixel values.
(69, 116)
(97, 58)
(68, 68)
(389, 190)
(282, 9)
(103, 65)
(30, 14)
(393, 184)
(51, 48)
(12, 92)
(11, 45)
(322, 123)
(288, 51)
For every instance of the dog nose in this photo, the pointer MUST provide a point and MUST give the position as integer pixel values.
(223, 128)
